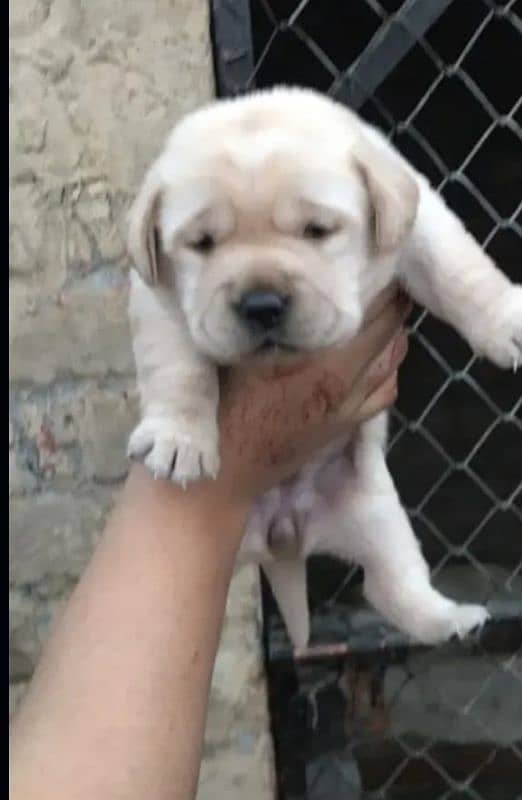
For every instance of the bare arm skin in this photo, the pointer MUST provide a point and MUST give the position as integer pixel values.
(116, 709)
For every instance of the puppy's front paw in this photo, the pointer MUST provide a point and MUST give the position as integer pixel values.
(501, 330)
(453, 619)
(172, 450)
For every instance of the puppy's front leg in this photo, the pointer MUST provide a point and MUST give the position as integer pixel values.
(177, 437)
(447, 271)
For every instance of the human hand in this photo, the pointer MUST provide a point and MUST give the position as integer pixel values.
(275, 417)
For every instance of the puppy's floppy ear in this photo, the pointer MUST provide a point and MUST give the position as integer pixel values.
(143, 237)
(393, 192)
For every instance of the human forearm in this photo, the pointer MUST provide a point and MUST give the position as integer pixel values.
(117, 705)
(125, 676)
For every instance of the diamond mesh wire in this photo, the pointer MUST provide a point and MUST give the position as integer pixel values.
(445, 83)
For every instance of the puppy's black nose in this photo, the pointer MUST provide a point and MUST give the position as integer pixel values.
(262, 310)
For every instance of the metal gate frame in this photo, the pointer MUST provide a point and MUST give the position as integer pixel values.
(357, 655)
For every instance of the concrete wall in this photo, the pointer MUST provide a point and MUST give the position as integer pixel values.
(95, 85)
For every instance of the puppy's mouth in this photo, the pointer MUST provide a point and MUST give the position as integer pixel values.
(270, 345)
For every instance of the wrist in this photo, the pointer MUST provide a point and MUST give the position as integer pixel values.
(208, 504)
(225, 508)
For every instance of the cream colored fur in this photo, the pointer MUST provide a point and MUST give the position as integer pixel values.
(252, 173)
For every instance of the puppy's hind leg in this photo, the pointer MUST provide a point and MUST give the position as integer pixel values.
(397, 580)
(287, 579)
(375, 532)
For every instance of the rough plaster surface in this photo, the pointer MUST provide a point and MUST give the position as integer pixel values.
(94, 87)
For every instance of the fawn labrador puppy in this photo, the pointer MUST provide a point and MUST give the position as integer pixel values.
(268, 224)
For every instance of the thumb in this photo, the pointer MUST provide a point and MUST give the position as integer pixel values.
(382, 398)
(376, 388)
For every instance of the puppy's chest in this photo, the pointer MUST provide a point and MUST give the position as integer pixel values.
(280, 519)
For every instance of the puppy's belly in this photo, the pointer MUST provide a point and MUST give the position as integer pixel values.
(286, 520)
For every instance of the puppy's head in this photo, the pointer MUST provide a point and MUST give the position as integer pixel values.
(273, 220)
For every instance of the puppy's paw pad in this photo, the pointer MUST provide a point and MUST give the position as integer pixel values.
(169, 451)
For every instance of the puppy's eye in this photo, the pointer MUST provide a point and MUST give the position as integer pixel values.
(316, 231)
(204, 244)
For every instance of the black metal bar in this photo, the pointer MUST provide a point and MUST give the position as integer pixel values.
(387, 48)
(233, 49)
(340, 632)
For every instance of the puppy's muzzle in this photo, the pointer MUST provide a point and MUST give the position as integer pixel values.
(262, 311)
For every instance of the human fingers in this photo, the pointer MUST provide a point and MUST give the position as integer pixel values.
(381, 301)
(381, 398)
(375, 384)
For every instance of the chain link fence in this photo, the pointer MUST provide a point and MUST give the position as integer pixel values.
(365, 715)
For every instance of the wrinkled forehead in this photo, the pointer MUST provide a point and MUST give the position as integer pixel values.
(260, 172)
